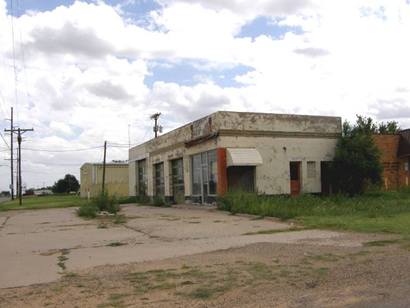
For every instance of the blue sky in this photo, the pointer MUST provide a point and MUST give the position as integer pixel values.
(265, 26)
(137, 7)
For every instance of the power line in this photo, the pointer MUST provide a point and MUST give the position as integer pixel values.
(2, 103)
(2, 137)
(23, 58)
(14, 52)
(62, 151)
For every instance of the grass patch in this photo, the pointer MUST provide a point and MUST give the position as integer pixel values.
(203, 292)
(43, 202)
(62, 258)
(70, 275)
(119, 219)
(272, 231)
(386, 212)
(381, 243)
(325, 257)
(116, 244)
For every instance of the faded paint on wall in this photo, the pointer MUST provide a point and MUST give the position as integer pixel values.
(116, 179)
(273, 176)
(306, 138)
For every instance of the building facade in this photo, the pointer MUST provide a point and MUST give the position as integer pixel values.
(116, 179)
(395, 158)
(266, 153)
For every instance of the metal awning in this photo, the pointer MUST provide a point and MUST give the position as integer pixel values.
(243, 157)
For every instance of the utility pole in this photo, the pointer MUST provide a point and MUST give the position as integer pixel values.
(157, 128)
(11, 156)
(103, 175)
(19, 131)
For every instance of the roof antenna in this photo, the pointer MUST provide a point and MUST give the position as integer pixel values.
(157, 128)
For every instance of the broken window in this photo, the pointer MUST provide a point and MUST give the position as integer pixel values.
(159, 179)
(142, 179)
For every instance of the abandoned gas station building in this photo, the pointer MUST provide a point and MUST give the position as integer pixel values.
(261, 152)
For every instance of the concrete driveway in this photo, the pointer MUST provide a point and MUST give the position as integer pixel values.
(38, 246)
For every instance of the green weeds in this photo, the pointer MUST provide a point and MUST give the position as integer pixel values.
(387, 212)
(104, 202)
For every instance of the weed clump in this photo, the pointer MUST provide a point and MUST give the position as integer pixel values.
(102, 203)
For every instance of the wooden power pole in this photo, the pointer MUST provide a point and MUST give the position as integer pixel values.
(103, 175)
(19, 132)
(11, 156)
(157, 128)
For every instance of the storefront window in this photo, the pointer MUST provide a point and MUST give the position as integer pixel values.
(159, 179)
(204, 174)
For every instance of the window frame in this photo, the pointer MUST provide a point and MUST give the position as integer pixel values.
(311, 173)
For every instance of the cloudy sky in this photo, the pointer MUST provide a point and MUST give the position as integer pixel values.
(81, 72)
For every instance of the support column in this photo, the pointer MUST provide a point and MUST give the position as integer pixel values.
(167, 182)
(150, 178)
(132, 178)
(187, 176)
(222, 185)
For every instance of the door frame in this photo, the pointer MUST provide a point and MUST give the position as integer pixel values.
(295, 183)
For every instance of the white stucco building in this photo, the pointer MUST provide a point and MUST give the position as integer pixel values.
(266, 153)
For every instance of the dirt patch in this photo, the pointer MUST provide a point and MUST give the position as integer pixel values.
(257, 275)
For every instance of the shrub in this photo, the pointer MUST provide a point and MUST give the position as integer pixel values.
(105, 202)
(88, 210)
(125, 200)
(143, 199)
(356, 165)
(158, 201)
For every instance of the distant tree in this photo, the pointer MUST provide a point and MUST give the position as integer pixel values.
(357, 158)
(67, 184)
(389, 128)
(365, 125)
(29, 192)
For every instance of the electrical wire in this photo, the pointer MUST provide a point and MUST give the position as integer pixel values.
(65, 150)
(14, 56)
(23, 57)
(2, 137)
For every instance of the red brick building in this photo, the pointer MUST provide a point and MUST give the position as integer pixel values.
(395, 158)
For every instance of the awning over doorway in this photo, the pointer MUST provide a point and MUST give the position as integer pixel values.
(243, 157)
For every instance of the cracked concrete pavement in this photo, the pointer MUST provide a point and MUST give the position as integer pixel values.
(38, 246)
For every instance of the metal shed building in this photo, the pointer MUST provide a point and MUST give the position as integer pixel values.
(116, 179)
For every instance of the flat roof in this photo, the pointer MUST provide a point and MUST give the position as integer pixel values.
(107, 164)
(239, 112)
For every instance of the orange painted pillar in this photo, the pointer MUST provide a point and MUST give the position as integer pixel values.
(222, 185)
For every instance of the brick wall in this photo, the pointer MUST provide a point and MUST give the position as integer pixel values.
(394, 173)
